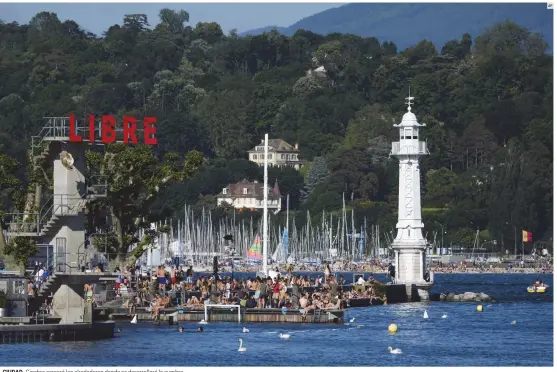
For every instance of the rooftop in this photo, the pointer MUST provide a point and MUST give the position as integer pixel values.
(277, 145)
(254, 189)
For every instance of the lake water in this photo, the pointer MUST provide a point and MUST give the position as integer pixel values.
(464, 338)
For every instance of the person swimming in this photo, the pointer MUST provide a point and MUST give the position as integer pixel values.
(200, 329)
(181, 329)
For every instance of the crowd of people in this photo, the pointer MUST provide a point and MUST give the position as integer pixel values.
(173, 287)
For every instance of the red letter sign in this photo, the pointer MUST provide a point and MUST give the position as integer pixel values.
(74, 137)
(91, 128)
(130, 125)
(108, 128)
(148, 129)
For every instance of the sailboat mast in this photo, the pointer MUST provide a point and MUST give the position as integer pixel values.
(265, 197)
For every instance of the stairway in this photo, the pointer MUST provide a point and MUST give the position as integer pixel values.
(41, 156)
(51, 226)
(49, 287)
(55, 222)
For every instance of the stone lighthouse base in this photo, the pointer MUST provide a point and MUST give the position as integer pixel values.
(418, 291)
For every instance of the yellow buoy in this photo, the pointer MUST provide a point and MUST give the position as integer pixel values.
(393, 328)
(479, 308)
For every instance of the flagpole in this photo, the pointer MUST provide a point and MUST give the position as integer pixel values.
(265, 198)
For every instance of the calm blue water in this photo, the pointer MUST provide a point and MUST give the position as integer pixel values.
(464, 338)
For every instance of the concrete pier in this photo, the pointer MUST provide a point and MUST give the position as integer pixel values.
(173, 315)
(27, 333)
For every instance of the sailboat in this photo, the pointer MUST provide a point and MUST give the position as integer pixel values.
(254, 252)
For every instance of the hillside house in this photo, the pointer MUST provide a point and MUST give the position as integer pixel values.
(249, 195)
(280, 154)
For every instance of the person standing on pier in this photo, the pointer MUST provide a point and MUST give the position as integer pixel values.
(262, 293)
(295, 297)
(189, 275)
(173, 276)
(161, 280)
(392, 271)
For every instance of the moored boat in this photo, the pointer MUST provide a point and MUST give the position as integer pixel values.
(537, 289)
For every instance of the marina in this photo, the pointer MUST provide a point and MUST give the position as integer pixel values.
(283, 202)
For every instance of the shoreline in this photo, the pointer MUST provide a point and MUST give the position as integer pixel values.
(385, 273)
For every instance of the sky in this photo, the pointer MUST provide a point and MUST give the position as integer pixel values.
(97, 18)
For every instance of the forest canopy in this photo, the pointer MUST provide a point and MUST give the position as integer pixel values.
(487, 104)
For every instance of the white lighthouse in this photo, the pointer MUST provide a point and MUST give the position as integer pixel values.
(409, 245)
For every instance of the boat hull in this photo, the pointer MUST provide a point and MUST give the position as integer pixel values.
(537, 289)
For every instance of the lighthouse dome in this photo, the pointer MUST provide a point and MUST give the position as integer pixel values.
(409, 120)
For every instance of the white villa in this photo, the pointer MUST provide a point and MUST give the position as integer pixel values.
(280, 154)
(249, 195)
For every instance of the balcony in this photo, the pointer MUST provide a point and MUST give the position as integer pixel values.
(409, 148)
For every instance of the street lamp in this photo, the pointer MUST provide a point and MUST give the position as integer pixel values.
(514, 228)
(442, 234)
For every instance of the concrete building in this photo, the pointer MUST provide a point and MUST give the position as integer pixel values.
(249, 195)
(409, 245)
(58, 224)
(280, 154)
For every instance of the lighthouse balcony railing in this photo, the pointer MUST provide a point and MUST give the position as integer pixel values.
(409, 149)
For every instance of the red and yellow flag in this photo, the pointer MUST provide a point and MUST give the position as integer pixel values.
(526, 236)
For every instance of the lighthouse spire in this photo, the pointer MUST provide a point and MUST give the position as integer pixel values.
(409, 100)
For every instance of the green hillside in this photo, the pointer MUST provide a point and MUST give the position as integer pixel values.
(488, 110)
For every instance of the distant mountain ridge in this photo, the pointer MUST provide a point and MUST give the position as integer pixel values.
(406, 24)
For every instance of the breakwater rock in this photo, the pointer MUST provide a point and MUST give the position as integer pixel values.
(463, 297)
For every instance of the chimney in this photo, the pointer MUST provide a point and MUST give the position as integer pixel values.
(296, 145)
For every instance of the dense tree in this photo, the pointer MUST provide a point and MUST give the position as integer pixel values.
(488, 110)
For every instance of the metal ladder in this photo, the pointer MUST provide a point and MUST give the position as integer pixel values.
(316, 315)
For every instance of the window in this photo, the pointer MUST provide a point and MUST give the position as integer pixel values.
(254, 157)
(282, 156)
(269, 156)
(245, 191)
(261, 156)
(224, 191)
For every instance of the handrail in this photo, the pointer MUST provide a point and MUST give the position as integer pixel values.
(47, 210)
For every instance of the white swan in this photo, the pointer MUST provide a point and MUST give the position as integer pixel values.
(513, 322)
(394, 351)
(352, 320)
(245, 330)
(203, 322)
(134, 320)
(425, 315)
(444, 316)
(241, 349)
(285, 336)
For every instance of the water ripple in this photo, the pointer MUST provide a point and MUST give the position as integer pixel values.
(465, 338)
